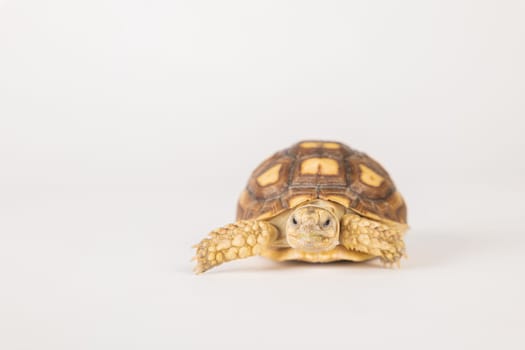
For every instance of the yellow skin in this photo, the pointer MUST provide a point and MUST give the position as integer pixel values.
(312, 228)
(317, 231)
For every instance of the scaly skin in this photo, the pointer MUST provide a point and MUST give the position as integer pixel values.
(374, 238)
(235, 241)
(360, 239)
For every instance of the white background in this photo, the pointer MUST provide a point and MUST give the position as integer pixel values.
(129, 128)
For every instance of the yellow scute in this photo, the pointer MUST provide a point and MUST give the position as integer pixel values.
(339, 199)
(270, 176)
(298, 199)
(312, 144)
(370, 177)
(320, 166)
(331, 145)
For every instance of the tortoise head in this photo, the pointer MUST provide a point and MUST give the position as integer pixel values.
(313, 228)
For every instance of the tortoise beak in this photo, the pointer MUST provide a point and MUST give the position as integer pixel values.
(312, 230)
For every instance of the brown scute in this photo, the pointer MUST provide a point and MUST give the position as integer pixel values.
(354, 177)
(277, 188)
(296, 194)
(401, 213)
(300, 178)
(341, 183)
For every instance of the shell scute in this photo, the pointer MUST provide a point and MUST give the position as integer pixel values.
(321, 170)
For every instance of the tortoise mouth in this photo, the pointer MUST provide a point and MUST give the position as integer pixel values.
(312, 242)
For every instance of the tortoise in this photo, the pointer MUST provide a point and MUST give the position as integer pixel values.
(316, 201)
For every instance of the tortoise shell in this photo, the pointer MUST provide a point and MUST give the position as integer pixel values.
(325, 170)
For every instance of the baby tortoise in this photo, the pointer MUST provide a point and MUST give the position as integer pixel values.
(316, 201)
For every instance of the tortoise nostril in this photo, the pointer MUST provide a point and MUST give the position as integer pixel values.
(309, 222)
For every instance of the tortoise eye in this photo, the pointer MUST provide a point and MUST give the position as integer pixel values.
(294, 221)
(326, 223)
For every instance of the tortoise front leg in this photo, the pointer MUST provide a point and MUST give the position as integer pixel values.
(235, 241)
(372, 237)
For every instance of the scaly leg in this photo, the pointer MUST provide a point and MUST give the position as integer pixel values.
(235, 241)
(375, 238)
